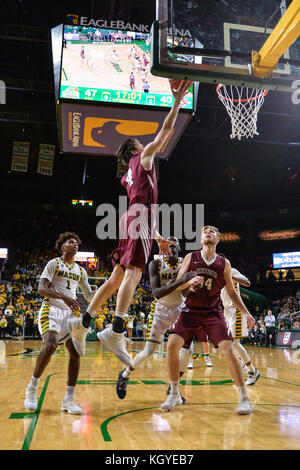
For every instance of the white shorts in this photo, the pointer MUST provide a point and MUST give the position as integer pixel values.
(54, 319)
(237, 322)
(161, 319)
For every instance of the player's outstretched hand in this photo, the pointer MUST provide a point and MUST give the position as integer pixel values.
(179, 88)
(164, 247)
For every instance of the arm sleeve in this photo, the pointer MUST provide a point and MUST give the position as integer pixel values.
(85, 287)
(49, 270)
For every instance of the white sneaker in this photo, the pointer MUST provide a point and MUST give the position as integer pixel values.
(116, 343)
(245, 407)
(70, 406)
(190, 365)
(207, 361)
(173, 400)
(252, 377)
(30, 402)
(78, 333)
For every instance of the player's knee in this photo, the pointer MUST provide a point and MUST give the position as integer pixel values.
(226, 348)
(50, 347)
(174, 344)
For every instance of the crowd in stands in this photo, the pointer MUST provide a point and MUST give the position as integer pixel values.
(20, 302)
(286, 312)
(29, 253)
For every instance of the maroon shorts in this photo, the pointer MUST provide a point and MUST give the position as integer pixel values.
(133, 251)
(200, 334)
(213, 324)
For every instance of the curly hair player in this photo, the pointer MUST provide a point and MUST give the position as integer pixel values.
(58, 283)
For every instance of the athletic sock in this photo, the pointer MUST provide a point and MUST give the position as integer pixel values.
(126, 373)
(174, 386)
(86, 319)
(34, 382)
(251, 367)
(118, 322)
(70, 391)
(243, 391)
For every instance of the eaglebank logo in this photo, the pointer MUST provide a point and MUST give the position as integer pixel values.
(119, 24)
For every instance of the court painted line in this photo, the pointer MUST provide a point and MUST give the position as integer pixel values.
(33, 415)
(107, 438)
(282, 381)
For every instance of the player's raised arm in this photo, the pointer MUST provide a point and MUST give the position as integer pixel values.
(154, 147)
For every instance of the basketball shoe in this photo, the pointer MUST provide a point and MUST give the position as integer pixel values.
(70, 406)
(207, 361)
(121, 387)
(78, 334)
(191, 364)
(252, 377)
(245, 407)
(173, 400)
(30, 402)
(169, 391)
(116, 343)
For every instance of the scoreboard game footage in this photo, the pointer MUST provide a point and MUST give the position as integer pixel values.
(111, 66)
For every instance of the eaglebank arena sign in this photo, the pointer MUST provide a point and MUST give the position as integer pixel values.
(118, 24)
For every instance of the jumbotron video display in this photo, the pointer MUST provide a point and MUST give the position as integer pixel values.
(112, 66)
(286, 260)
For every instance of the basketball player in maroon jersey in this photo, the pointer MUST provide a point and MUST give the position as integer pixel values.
(203, 308)
(131, 256)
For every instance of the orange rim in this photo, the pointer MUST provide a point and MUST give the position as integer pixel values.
(244, 100)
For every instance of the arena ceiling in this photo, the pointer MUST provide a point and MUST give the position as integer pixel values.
(206, 165)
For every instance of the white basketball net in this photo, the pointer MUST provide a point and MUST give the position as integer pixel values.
(242, 105)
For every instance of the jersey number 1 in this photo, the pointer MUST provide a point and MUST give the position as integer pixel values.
(68, 285)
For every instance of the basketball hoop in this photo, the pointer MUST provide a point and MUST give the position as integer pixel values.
(242, 105)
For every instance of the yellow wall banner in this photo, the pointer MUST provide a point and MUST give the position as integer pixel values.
(46, 158)
(20, 153)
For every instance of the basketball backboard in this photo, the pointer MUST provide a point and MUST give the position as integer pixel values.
(225, 32)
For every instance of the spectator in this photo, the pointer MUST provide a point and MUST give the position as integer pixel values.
(3, 326)
(271, 277)
(290, 276)
(270, 322)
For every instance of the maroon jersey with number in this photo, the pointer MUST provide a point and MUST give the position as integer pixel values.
(208, 297)
(137, 225)
(141, 185)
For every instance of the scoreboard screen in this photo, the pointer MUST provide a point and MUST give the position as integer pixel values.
(286, 260)
(110, 66)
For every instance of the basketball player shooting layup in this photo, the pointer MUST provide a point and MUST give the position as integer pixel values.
(132, 254)
(203, 308)
(58, 284)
